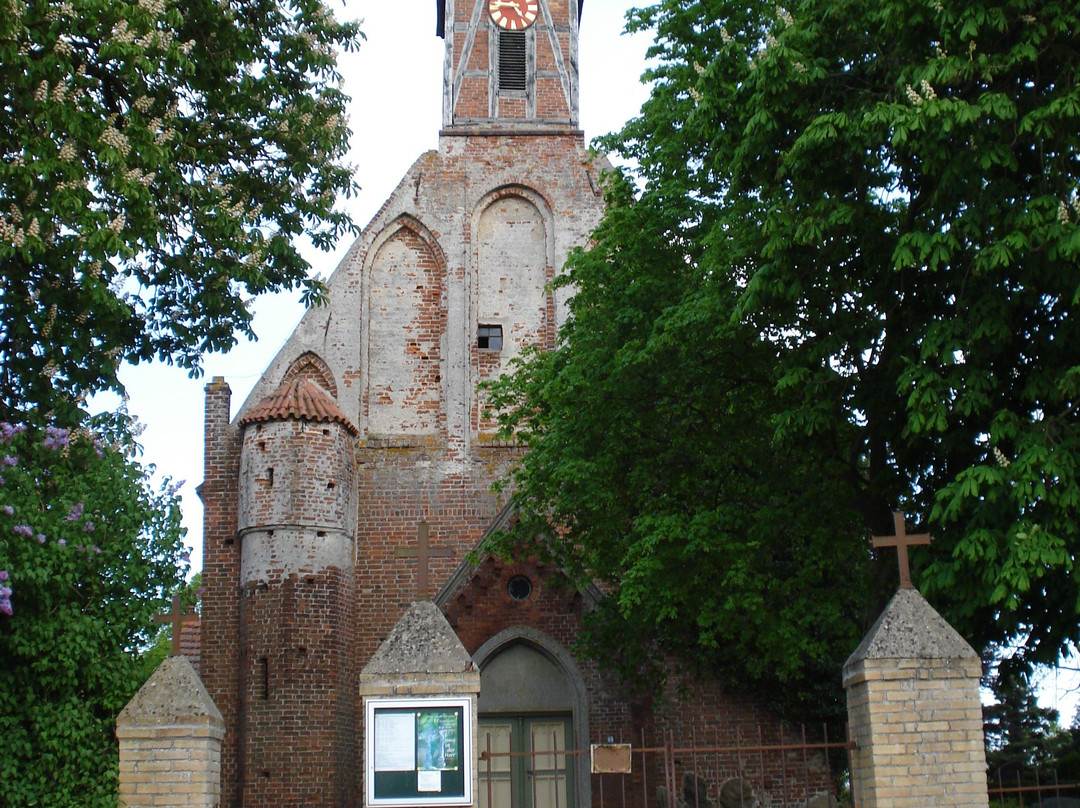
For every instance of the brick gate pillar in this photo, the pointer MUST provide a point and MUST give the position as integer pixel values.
(170, 742)
(914, 712)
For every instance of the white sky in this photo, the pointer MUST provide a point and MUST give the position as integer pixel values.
(395, 81)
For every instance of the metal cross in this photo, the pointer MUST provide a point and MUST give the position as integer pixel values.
(901, 541)
(424, 552)
(177, 618)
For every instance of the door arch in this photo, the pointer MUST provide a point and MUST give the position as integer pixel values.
(530, 685)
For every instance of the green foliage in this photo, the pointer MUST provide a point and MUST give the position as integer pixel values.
(89, 554)
(157, 160)
(846, 283)
(651, 468)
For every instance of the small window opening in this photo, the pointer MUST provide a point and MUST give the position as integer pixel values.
(270, 476)
(264, 678)
(519, 587)
(489, 337)
(512, 60)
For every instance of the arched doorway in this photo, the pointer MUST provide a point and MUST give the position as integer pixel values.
(532, 704)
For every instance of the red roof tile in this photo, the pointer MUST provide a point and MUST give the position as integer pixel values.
(301, 400)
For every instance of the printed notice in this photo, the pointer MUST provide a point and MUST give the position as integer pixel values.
(429, 781)
(437, 734)
(395, 741)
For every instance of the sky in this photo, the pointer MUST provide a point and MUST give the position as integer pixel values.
(395, 81)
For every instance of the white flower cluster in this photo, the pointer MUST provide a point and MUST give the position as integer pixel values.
(143, 103)
(50, 321)
(59, 91)
(62, 47)
(121, 33)
(914, 96)
(1001, 459)
(113, 137)
(1063, 213)
(155, 7)
(41, 94)
(784, 16)
(67, 151)
(724, 35)
(117, 224)
(10, 234)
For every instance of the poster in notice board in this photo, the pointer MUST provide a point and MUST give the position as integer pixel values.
(418, 752)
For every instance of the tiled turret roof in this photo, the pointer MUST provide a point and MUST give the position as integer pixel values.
(300, 400)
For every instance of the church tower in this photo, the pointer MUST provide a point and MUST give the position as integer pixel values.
(357, 477)
(510, 64)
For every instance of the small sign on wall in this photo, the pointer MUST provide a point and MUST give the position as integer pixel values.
(610, 758)
(418, 751)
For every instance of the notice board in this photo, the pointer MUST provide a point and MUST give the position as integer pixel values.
(418, 751)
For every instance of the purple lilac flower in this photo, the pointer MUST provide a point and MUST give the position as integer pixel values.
(95, 550)
(7, 431)
(175, 487)
(10, 511)
(5, 600)
(61, 542)
(3, 575)
(23, 530)
(88, 527)
(55, 438)
(75, 513)
(10, 460)
(40, 538)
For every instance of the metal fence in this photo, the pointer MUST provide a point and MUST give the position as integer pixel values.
(1038, 788)
(792, 773)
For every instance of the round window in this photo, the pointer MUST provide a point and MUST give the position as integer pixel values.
(519, 587)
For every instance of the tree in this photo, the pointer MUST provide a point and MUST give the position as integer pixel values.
(157, 159)
(846, 276)
(88, 554)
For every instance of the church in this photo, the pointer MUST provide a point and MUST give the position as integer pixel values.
(357, 478)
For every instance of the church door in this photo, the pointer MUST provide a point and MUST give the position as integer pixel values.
(529, 767)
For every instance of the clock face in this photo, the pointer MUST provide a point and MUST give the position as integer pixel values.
(513, 15)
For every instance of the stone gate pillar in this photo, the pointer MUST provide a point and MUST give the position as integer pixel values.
(914, 712)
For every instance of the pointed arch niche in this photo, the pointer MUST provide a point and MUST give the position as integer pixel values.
(310, 366)
(406, 326)
(514, 238)
(525, 676)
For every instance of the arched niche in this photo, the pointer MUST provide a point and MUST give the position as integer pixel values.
(310, 365)
(514, 245)
(406, 326)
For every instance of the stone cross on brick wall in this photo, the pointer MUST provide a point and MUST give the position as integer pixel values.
(177, 618)
(901, 541)
(423, 552)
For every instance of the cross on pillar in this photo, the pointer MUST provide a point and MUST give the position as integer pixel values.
(901, 541)
(177, 618)
(423, 552)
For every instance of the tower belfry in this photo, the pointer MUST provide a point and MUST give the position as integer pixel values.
(510, 64)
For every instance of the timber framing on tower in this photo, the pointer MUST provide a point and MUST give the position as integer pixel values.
(478, 98)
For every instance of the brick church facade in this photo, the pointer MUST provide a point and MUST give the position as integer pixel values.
(357, 476)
